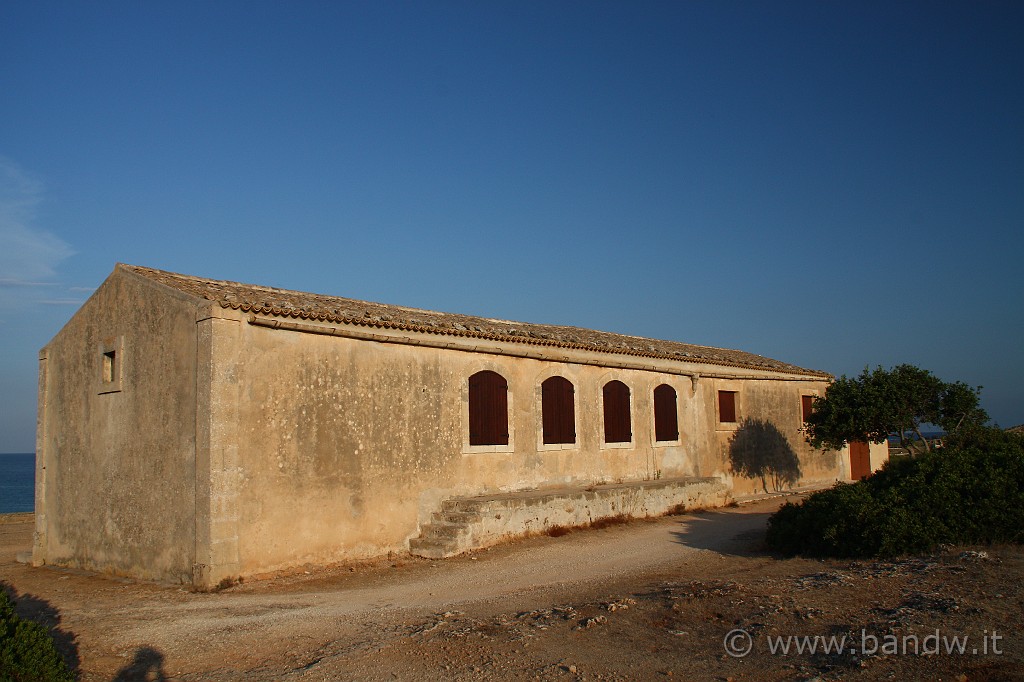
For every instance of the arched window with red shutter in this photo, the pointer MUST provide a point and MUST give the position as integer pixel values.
(558, 410)
(488, 409)
(617, 427)
(666, 421)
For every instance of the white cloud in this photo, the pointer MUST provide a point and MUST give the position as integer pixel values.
(29, 256)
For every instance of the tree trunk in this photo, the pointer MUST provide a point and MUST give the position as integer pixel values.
(927, 448)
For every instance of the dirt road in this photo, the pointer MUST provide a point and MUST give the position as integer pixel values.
(635, 601)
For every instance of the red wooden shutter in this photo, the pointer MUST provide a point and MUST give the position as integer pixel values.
(726, 406)
(806, 405)
(616, 413)
(488, 409)
(558, 415)
(666, 424)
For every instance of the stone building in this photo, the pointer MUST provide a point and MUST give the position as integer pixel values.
(192, 430)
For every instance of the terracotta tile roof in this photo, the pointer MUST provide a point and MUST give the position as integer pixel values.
(284, 303)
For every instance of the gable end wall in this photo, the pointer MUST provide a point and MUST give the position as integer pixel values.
(115, 480)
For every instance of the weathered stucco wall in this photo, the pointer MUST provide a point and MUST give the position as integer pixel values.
(345, 446)
(878, 455)
(764, 449)
(115, 485)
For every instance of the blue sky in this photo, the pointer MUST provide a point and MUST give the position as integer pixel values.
(835, 185)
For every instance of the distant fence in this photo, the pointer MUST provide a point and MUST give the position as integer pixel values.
(898, 451)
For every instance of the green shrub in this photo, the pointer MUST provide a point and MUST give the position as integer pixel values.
(828, 523)
(27, 652)
(971, 492)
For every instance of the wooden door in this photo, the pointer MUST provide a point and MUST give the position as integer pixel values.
(860, 460)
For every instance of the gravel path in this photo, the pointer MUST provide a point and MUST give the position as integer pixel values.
(644, 600)
(112, 619)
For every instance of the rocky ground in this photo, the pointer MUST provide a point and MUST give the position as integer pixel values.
(692, 597)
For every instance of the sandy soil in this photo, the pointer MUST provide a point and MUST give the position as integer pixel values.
(644, 600)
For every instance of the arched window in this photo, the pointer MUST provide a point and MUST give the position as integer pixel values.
(666, 424)
(488, 409)
(616, 413)
(558, 411)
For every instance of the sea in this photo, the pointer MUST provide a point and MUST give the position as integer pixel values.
(17, 482)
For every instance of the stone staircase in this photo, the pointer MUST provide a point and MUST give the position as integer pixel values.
(450, 531)
(466, 523)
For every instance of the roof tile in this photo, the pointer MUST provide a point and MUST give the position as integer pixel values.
(284, 303)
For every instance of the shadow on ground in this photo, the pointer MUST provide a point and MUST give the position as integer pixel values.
(147, 666)
(725, 532)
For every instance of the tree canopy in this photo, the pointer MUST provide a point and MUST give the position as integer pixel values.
(881, 402)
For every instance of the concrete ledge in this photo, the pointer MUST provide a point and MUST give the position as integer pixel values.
(538, 511)
(490, 519)
(812, 487)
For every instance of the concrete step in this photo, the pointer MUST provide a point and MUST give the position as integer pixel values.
(442, 539)
(456, 517)
(465, 505)
(429, 548)
(445, 531)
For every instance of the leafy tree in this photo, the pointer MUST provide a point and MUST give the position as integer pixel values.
(880, 403)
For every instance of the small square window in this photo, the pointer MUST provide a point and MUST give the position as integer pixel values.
(109, 366)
